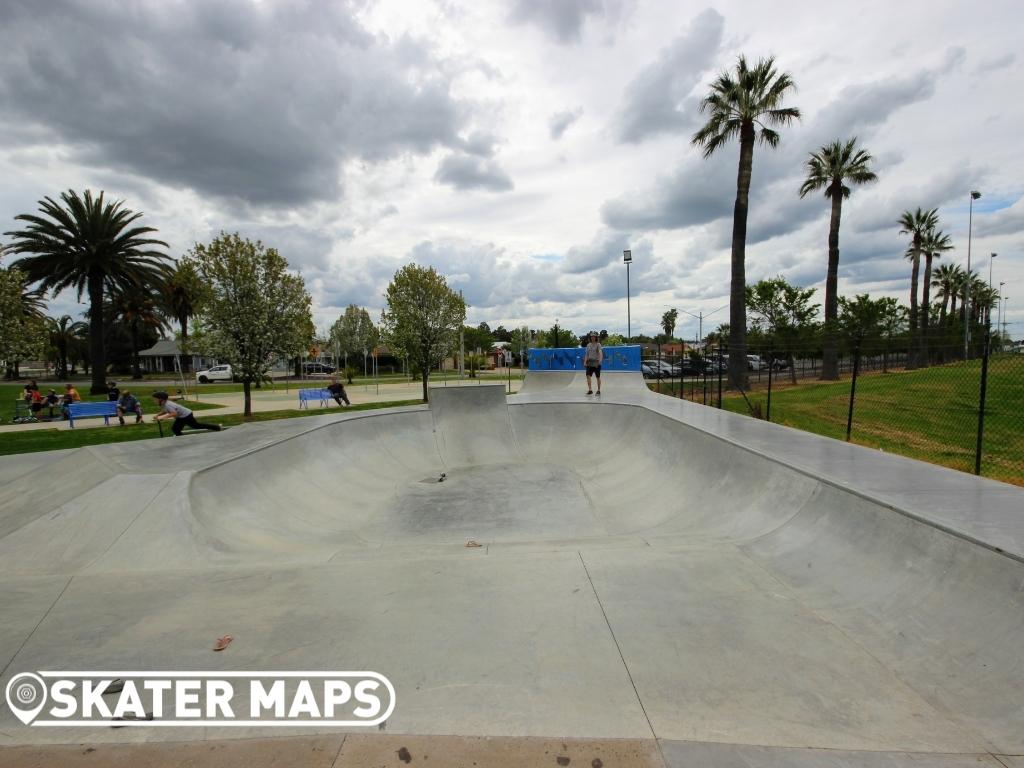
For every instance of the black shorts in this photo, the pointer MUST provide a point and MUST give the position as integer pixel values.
(594, 370)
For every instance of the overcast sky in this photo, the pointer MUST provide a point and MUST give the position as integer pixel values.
(518, 146)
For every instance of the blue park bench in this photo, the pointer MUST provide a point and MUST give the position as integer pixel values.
(105, 408)
(305, 395)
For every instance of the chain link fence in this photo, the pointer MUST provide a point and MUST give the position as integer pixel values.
(937, 406)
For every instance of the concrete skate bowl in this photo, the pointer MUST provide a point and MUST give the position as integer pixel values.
(647, 569)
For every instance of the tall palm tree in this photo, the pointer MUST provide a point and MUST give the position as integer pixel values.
(93, 246)
(181, 299)
(744, 104)
(137, 308)
(64, 333)
(831, 168)
(917, 224)
(934, 244)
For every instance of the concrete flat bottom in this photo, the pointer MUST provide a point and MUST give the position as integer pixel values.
(646, 592)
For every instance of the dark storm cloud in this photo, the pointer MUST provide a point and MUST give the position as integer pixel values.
(256, 102)
(464, 171)
(563, 20)
(560, 121)
(660, 98)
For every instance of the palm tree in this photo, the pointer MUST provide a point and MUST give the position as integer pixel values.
(137, 308)
(935, 243)
(64, 333)
(90, 245)
(181, 297)
(743, 104)
(831, 168)
(917, 225)
(947, 278)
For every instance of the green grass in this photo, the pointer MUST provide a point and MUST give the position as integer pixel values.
(33, 440)
(929, 414)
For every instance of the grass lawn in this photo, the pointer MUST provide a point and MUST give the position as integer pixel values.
(34, 440)
(929, 414)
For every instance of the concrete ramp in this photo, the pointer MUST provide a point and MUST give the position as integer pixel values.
(731, 591)
(471, 425)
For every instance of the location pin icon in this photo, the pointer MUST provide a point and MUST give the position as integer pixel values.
(26, 696)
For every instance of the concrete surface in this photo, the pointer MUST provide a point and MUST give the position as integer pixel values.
(696, 587)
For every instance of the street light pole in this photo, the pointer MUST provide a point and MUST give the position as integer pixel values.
(988, 313)
(627, 257)
(967, 280)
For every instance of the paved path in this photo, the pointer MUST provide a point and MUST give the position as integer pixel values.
(278, 399)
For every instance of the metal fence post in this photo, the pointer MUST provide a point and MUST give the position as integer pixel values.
(853, 389)
(720, 358)
(981, 404)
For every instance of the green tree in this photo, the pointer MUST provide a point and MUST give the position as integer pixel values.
(933, 245)
(22, 332)
(872, 324)
(138, 309)
(917, 224)
(422, 318)
(785, 315)
(354, 334)
(668, 323)
(180, 299)
(744, 104)
(94, 247)
(521, 340)
(832, 168)
(947, 281)
(252, 310)
(64, 334)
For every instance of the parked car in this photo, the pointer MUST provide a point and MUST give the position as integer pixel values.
(686, 367)
(755, 363)
(317, 369)
(650, 371)
(215, 373)
(780, 364)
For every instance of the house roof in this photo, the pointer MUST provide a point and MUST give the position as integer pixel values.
(163, 348)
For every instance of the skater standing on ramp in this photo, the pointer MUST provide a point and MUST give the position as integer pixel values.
(182, 416)
(592, 359)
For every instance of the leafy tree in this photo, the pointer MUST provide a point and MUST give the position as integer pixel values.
(917, 224)
(744, 104)
(872, 323)
(422, 318)
(612, 340)
(668, 323)
(22, 333)
(94, 247)
(354, 334)
(520, 341)
(502, 334)
(479, 338)
(831, 169)
(947, 281)
(784, 313)
(252, 310)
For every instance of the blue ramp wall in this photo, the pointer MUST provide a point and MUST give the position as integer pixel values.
(571, 359)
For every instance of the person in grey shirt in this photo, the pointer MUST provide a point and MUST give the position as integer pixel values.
(592, 359)
(182, 416)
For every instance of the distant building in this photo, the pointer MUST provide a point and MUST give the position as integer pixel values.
(160, 358)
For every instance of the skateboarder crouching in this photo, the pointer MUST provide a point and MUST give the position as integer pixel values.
(182, 416)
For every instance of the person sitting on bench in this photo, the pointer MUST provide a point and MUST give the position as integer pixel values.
(128, 403)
